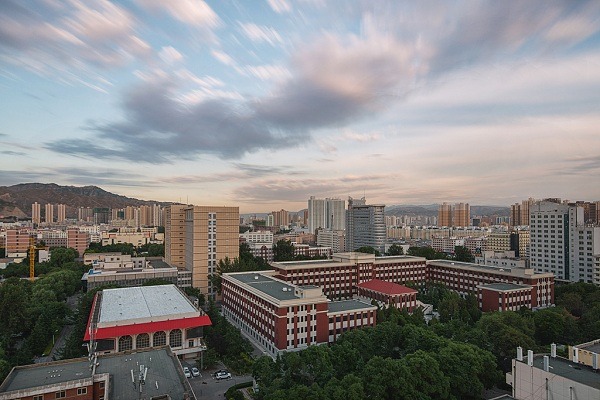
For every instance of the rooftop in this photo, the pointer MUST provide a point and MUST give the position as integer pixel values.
(146, 302)
(570, 370)
(504, 286)
(163, 373)
(593, 346)
(386, 287)
(270, 286)
(516, 272)
(348, 305)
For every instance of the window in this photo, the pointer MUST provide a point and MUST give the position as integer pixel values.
(125, 343)
(160, 338)
(38, 397)
(81, 391)
(61, 395)
(142, 341)
(175, 338)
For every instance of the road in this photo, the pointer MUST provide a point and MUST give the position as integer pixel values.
(206, 387)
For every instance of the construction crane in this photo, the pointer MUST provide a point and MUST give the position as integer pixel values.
(32, 249)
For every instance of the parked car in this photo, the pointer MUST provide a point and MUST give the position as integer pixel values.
(195, 371)
(187, 372)
(219, 371)
(222, 375)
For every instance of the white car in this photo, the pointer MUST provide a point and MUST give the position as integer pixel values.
(195, 372)
(187, 372)
(222, 375)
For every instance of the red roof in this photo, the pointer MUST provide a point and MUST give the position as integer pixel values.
(384, 287)
(146, 327)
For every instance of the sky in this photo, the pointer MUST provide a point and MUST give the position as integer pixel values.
(261, 104)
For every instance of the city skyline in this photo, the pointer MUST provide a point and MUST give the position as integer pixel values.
(264, 104)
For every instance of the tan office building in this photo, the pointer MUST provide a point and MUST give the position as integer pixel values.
(211, 234)
(175, 235)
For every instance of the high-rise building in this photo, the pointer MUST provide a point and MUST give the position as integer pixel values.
(365, 225)
(519, 213)
(85, 214)
(175, 235)
(61, 213)
(211, 234)
(326, 214)
(561, 243)
(101, 215)
(445, 215)
(49, 216)
(281, 218)
(461, 215)
(36, 213)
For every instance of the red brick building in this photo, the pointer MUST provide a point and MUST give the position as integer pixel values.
(340, 276)
(464, 278)
(504, 297)
(389, 294)
(279, 316)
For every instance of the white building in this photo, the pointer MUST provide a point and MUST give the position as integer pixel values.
(333, 239)
(326, 213)
(562, 244)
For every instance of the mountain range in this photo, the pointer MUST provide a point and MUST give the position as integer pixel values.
(16, 200)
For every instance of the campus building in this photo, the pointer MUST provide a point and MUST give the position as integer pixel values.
(389, 294)
(135, 318)
(105, 377)
(339, 276)
(279, 316)
(465, 278)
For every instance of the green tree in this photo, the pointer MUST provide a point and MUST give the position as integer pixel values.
(461, 253)
(395, 250)
(62, 255)
(426, 252)
(283, 250)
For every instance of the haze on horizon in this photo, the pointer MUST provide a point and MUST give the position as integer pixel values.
(262, 104)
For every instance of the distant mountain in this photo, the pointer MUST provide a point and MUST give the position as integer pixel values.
(431, 210)
(16, 200)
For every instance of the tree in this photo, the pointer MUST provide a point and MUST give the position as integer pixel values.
(426, 252)
(62, 255)
(395, 250)
(461, 253)
(283, 250)
(368, 250)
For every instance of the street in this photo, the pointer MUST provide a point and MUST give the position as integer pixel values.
(206, 387)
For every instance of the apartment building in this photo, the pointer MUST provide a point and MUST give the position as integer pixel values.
(211, 234)
(175, 235)
(327, 214)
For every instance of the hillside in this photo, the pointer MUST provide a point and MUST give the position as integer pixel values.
(16, 200)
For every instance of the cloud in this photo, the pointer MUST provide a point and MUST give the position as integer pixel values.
(12, 153)
(267, 72)
(170, 55)
(223, 57)
(159, 127)
(280, 6)
(66, 40)
(257, 33)
(192, 12)
(77, 176)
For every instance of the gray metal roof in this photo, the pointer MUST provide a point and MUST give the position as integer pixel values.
(570, 370)
(142, 302)
(46, 374)
(347, 305)
(593, 347)
(504, 286)
(268, 285)
(163, 370)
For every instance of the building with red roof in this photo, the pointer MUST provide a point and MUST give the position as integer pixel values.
(144, 317)
(389, 294)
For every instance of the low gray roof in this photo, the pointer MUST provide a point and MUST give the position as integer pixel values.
(163, 370)
(268, 285)
(347, 305)
(505, 286)
(593, 347)
(570, 370)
